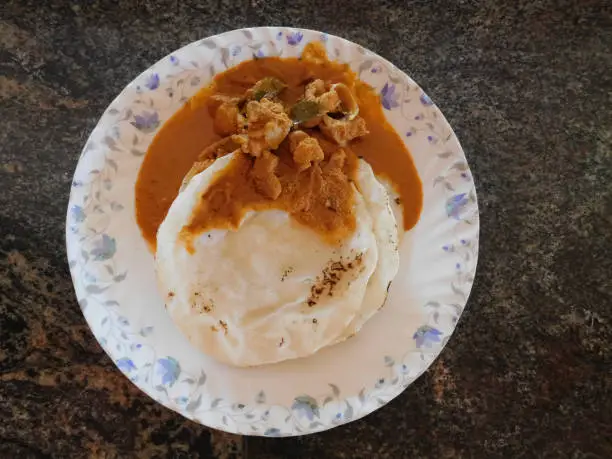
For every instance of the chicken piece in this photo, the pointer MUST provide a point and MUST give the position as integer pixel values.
(225, 112)
(264, 110)
(226, 118)
(314, 183)
(329, 101)
(306, 153)
(295, 138)
(305, 150)
(266, 182)
(343, 131)
(314, 89)
(325, 96)
(267, 127)
(347, 101)
(336, 161)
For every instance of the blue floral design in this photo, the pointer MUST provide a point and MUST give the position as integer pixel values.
(455, 205)
(147, 122)
(153, 81)
(77, 214)
(105, 248)
(425, 336)
(170, 380)
(169, 369)
(389, 97)
(125, 364)
(236, 50)
(294, 38)
(425, 100)
(306, 406)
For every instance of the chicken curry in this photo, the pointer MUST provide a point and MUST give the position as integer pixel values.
(297, 127)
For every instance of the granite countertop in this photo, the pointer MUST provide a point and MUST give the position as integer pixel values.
(528, 88)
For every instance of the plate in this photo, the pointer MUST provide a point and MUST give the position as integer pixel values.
(113, 270)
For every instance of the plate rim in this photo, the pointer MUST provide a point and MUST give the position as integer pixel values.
(397, 389)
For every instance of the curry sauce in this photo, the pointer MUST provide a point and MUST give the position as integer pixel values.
(319, 197)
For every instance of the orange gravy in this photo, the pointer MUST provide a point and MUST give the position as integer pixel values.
(320, 197)
(182, 138)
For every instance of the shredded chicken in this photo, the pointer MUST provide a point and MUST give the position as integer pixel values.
(266, 182)
(343, 131)
(305, 150)
(267, 126)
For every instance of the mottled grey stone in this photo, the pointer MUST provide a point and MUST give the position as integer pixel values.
(528, 88)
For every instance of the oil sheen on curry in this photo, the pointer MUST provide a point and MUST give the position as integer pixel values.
(296, 130)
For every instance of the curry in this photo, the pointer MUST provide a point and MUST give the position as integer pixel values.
(320, 197)
(309, 172)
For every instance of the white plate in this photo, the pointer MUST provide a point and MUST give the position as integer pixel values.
(112, 269)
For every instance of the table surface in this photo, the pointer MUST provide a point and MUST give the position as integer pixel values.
(527, 87)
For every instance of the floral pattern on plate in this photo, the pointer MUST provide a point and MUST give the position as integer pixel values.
(112, 269)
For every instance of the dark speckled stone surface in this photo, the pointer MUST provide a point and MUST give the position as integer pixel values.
(527, 86)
